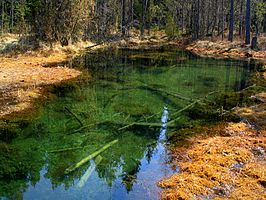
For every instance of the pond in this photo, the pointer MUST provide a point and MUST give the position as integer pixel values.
(129, 100)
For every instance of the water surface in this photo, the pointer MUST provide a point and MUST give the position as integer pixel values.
(127, 87)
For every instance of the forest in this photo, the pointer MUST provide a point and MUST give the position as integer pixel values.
(67, 21)
(132, 99)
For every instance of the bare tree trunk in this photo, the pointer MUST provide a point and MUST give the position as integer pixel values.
(222, 19)
(123, 20)
(247, 40)
(148, 16)
(240, 32)
(264, 21)
(215, 24)
(12, 16)
(231, 26)
(131, 15)
(2, 25)
(142, 18)
(198, 20)
(182, 17)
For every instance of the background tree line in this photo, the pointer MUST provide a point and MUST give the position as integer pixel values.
(67, 21)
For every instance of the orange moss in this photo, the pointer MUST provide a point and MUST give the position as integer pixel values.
(22, 78)
(228, 167)
(251, 182)
(182, 185)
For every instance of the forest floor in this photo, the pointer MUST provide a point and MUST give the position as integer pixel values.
(222, 49)
(225, 161)
(24, 74)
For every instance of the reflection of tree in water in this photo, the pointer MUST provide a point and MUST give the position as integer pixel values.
(21, 163)
(129, 177)
(123, 160)
(149, 151)
(107, 100)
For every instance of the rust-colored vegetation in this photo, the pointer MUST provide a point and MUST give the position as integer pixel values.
(23, 76)
(234, 49)
(231, 166)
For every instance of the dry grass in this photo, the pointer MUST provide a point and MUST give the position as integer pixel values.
(225, 48)
(22, 76)
(153, 40)
(224, 167)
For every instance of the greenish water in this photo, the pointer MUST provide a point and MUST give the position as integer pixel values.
(127, 87)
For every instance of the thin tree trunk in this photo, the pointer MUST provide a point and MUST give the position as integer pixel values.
(12, 15)
(142, 18)
(247, 40)
(2, 25)
(222, 19)
(123, 21)
(182, 23)
(148, 15)
(198, 20)
(130, 18)
(215, 24)
(264, 20)
(241, 19)
(231, 26)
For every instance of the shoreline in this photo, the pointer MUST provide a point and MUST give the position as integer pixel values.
(27, 76)
(24, 78)
(225, 49)
(223, 161)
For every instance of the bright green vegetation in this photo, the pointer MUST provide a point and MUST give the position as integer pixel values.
(128, 87)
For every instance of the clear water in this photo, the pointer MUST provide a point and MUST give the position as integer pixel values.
(127, 87)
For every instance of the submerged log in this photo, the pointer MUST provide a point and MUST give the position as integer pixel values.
(185, 108)
(88, 158)
(182, 110)
(67, 149)
(89, 125)
(89, 171)
(74, 115)
(84, 127)
(179, 96)
(155, 125)
(158, 90)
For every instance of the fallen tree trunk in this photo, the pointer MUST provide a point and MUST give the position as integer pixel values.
(156, 125)
(166, 92)
(88, 126)
(67, 149)
(89, 171)
(93, 155)
(158, 90)
(170, 123)
(185, 108)
(74, 115)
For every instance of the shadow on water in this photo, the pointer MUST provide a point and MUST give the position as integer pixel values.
(132, 96)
